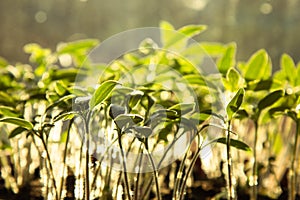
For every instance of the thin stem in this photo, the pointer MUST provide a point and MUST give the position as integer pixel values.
(191, 166)
(292, 184)
(229, 163)
(99, 166)
(126, 182)
(136, 191)
(50, 166)
(64, 158)
(155, 171)
(254, 170)
(86, 121)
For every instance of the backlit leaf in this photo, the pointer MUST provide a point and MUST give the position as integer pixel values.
(18, 121)
(102, 93)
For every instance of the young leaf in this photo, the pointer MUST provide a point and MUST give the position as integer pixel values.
(16, 132)
(234, 143)
(142, 131)
(65, 116)
(258, 66)
(233, 80)
(289, 69)
(8, 111)
(235, 103)
(102, 93)
(270, 99)
(183, 108)
(128, 120)
(116, 110)
(228, 59)
(192, 30)
(18, 121)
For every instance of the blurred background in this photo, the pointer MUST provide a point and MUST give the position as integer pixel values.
(270, 24)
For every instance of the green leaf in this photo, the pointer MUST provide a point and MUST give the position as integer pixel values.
(192, 30)
(183, 108)
(18, 121)
(289, 69)
(270, 99)
(227, 61)
(134, 98)
(65, 116)
(258, 85)
(62, 101)
(195, 79)
(142, 131)
(213, 49)
(127, 120)
(80, 45)
(102, 93)
(233, 80)
(234, 143)
(258, 66)
(178, 39)
(116, 110)
(8, 111)
(16, 132)
(60, 87)
(235, 103)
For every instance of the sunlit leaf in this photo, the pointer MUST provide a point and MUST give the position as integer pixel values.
(79, 45)
(18, 121)
(134, 98)
(227, 61)
(235, 103)
(258, 66)
(195, 79)
(289, 69)
(65, 116)
(102, 93)
(192, 30)
(60, 87)
(183, 108)
(8, 111)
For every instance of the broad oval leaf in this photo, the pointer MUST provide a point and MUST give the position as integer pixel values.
(270, 99)
(228, 59)
(102, 93)
(258, 66)
(289, 69)
(18, 121)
